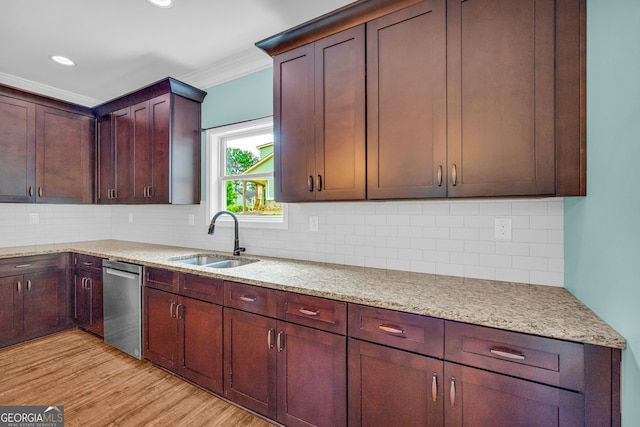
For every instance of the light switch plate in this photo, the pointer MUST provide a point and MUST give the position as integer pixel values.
(34, 218)
(313, 223)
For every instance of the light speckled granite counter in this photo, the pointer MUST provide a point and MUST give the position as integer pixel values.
(540, 310)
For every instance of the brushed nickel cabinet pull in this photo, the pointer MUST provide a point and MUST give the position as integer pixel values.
(319, 182)
(30, 191)
(88, 284)
(87, 263)
(280, 341)
(308, 312)
(452, 392)
(270, 333)
(82, 281)
(19, 287)
(507, 352)
(440, 176)
(392, 329)
(454, 175)
(23, 265)
(40, 191)
(248, 298)
(310, 183)
(29, 285)
(173, 303)
(178, 311)
(150, 191)
(434, 387)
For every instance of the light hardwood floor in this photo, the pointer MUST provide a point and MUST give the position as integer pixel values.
(100, 386)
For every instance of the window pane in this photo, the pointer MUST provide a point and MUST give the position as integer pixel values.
(252, 196)
(243, 153)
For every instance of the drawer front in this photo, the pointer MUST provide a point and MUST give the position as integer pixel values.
(22, 265)
(545, 360)
(253, 299)
(202, 288)
(420, 334)
(312, 311)
(164, 280)
(87, 262)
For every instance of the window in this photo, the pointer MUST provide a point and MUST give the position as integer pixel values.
(240, 173)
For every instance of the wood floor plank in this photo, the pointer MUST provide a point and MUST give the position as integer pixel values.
(100, 386)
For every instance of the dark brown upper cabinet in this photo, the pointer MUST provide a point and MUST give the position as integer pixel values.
(470, 98)
(149, 146)
(47, 149)
(406, 103)
(319, 120)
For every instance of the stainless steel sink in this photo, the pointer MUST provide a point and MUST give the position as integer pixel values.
(214, 261)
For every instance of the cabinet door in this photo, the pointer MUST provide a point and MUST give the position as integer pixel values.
(500, 97)
(340, 116)
(18, 148)
(96, 315)
(250, 361)
(106, 162)
(293, 125)
(64, 155)
(123, 156)
(11, 291)
(389, 387)
(81, 299)
(406, 103)
(312, 385)
(479, 398)
(44, 301)
(200, 342)
(160, 328)
(150, 139)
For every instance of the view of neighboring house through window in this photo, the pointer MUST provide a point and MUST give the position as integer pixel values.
(243, 182)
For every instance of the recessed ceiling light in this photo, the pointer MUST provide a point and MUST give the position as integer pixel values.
(63, 60)
(161, 3)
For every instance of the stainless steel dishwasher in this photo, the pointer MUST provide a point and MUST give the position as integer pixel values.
(122, 293)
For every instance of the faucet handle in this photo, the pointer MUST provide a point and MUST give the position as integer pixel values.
(242, 249)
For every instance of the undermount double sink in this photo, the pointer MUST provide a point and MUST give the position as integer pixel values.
(214, 261)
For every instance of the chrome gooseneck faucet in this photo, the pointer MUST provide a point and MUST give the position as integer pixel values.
(236, 245)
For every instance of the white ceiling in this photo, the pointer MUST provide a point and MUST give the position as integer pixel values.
(122, 45)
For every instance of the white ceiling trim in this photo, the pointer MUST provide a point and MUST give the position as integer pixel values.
(241, 64)
(40, 89)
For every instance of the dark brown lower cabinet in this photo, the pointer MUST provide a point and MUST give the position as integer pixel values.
(87, 311)
(184, 335)
(474, 397)
(11, 315)
(390, 387)
(290, 373)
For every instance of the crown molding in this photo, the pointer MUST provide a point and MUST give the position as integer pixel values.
(50, 91)
(241, 64)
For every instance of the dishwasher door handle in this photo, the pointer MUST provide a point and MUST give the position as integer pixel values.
(121, 274)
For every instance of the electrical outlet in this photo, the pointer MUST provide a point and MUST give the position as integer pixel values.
(34, 218)
(503, 228)
(313, 223)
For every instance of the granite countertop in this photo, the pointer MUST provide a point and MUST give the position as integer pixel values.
(539, 310)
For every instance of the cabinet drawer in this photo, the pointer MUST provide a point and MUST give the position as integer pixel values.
(411, 332)
(22, 265)
(87, 262)
(164, 280)
(546, 360)
(312, 311)
(250, 298)
(202, 288)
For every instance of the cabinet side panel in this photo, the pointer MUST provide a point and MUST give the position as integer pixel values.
(185, 153)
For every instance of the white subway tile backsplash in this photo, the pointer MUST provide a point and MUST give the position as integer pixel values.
(444, 237)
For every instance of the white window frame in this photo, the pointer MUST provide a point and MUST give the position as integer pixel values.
(215, 169)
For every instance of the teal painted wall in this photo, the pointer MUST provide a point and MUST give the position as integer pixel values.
(245, 98)
(602, 230)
